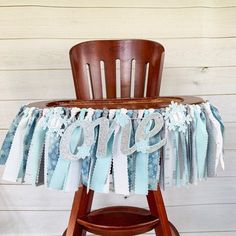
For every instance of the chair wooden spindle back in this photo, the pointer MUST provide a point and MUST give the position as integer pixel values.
(117, 68)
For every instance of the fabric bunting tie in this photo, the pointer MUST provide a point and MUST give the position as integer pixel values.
(118, 150)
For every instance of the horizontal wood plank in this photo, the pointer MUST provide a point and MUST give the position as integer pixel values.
(121, 3)
(33, 222)
(58, 84)
(198, 81)
(223, 233)
(203, 218)
(230, 134)
(27, 197)
(214, 233)
(54, 222)
(54, 53)
(119, 23)
(36, 84)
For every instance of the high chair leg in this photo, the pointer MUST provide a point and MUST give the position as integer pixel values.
(81, 206)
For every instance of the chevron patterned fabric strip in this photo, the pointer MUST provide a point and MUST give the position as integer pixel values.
(116, 150)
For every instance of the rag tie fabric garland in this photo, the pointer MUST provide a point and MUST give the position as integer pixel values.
(119, 150)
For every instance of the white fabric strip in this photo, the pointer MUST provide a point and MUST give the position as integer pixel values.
(109, 178)
(73, 179)
(168, 159)
(15, 158)
(217, 136)
(46, 151)
(120, 167)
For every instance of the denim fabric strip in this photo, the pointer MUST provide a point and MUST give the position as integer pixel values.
(154, 162)
(27, 141)
(189, 148)
(132, 157)
(183, 165)
(102, 166)
(161, 166)
(74, 176)
(89, 161)
(51, 155)
(176, 174)
(192, 148)
(154, 166)
(6, 146)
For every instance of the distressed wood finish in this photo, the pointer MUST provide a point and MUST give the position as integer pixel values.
(21, 85)
(102, 22)
(121, 3)
(198, 53)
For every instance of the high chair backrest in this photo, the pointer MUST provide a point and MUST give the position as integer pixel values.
(117, 68)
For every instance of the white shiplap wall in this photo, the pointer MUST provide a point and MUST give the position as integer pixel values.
(200, 42)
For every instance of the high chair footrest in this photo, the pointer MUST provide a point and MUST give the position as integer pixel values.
(119, 220)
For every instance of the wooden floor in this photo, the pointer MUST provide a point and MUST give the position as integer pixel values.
(208, 209)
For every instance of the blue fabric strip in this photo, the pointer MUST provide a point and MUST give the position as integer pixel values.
(201, 143)
(102, 166)
(59, 175)
(132, 157)
(141, 168)
(6, 146)
(89, 161)
(154, 163)
(27, 141)
(51, 155)
(192, 157)
(36, 151)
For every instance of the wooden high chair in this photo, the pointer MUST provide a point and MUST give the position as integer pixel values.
(106, 69)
